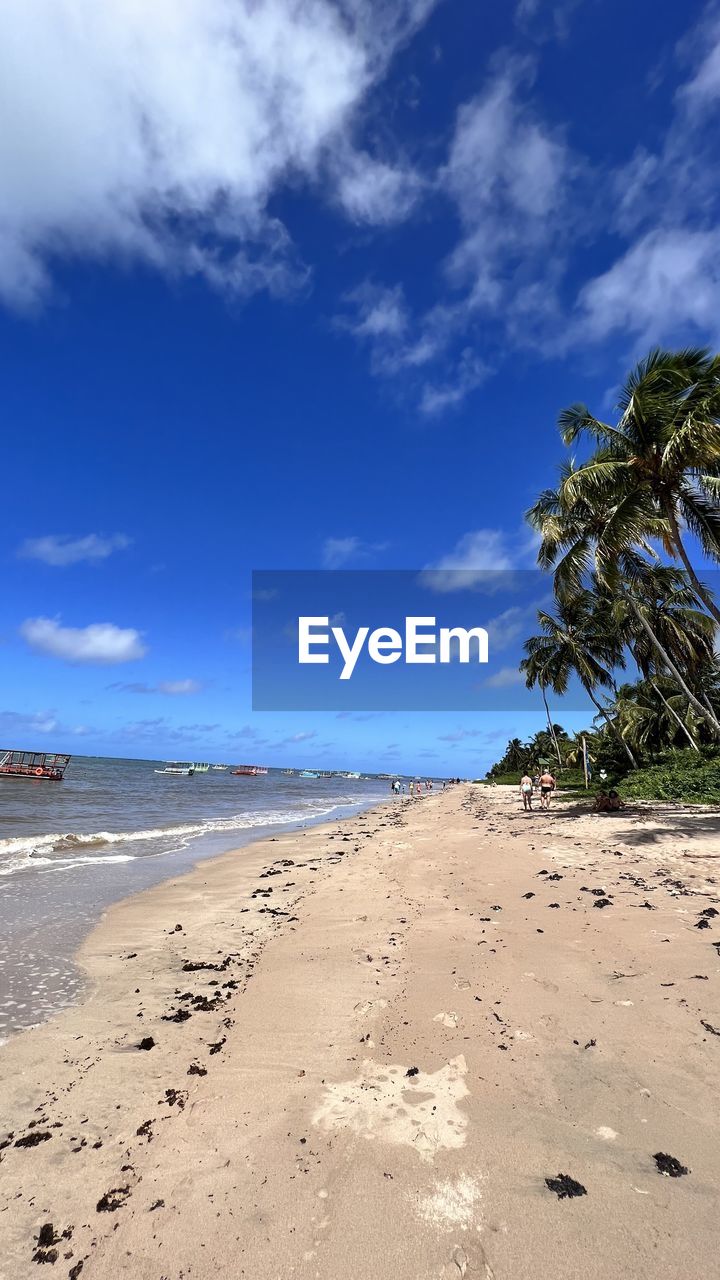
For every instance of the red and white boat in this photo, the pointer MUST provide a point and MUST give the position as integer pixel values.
(249, 770)
(33, 764)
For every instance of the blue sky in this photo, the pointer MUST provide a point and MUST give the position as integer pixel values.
(298, 285)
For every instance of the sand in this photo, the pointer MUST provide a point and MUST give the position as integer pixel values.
(441, 1039)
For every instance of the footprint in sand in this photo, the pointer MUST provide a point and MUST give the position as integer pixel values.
(381, 1103)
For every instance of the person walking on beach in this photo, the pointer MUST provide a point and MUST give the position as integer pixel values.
(526, 791)
(547, 786)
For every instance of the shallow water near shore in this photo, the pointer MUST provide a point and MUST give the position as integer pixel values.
(112, 828)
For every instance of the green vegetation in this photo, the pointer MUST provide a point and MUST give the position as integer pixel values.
(614, 534)
(682, 775)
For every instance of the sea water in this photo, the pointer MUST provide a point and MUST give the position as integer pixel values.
(111, 828)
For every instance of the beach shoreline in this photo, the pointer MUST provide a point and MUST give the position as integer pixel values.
(63, 883)
(372, 1041)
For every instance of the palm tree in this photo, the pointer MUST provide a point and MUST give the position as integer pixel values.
(515, 754)
(659, 468)
(586, 539)
(576, 639)
(649, 720)
(538, 674)
(655, 617)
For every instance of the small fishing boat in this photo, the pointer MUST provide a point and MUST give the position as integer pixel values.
(47, 765)
(178, 768)
(249, 771)
(201, 768)
(289, 773)
(219, 768)
(307, 773)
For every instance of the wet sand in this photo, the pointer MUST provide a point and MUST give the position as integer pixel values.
(440, 1039)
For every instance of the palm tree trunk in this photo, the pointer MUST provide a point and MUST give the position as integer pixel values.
(701, 592)
(550, 726)
(611, 725)
(702, 711)
(678, 719)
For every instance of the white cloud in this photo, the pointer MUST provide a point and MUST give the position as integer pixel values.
(172, 688)
(101, 642)
(163, 129)
(667, 279)
(374, 192)
(469, 373)
(338, 552)
(482, 558)
(459, 735)
(508, 175)
(380, 312)
(16, 724)
(505, 678)
(61, 549)
(512, 180)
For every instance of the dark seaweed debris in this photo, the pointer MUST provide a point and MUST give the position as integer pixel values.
(113, 1199)
(33, 1139)
(147, 1043)
(669, 1166)
(709, 1027)
(565, 1187)
(602, 902)
(412, 1071)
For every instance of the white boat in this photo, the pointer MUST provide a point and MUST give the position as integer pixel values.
(178, 768)
(202, 767)
(219, 768)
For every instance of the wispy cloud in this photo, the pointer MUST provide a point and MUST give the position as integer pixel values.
(296, 738)
(505, 678)
(172, 688)
(101, 643)
(338, 552)
(60, 549)
(459, 735)
(17, 723)
(481, 558)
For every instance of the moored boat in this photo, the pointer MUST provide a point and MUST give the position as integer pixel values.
(47, 765)
(307, 773)
(249, 771)
(178, 768)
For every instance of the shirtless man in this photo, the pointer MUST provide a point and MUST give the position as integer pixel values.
(547, 786)
(526, 791)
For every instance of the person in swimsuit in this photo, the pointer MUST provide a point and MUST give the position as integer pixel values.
(547, 786)
(526, 791)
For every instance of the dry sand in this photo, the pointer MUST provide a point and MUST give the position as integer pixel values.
(416, 1017)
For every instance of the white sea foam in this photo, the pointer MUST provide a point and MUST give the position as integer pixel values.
(62, 850)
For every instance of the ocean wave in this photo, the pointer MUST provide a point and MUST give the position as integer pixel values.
(56, 850)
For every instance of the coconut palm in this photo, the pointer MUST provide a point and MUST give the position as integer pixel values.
(651, 720)
(585, 540)
(659, 468)
(536, 673)
(655, 616)
(576, 638)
